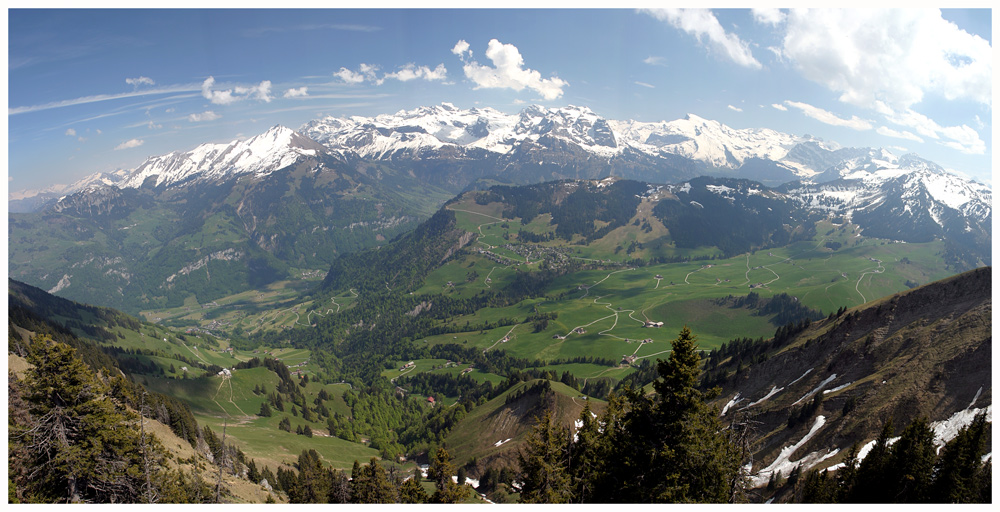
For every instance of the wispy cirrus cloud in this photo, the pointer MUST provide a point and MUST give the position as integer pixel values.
(827, 117)
(104, 97)
(644, 84)
(736, 109)
(507, 72)
(889, 132)
(142, 80)
(653, 60)
(780, 107)
(208, 115)
(263, 31)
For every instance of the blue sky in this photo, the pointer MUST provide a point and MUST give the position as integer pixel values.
(98, 90)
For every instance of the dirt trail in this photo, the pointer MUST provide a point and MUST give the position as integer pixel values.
(877, 270)
(505, 337)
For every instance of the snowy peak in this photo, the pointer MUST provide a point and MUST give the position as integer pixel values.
(274, 149)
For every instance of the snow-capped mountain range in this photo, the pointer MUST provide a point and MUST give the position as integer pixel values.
(539, 144)
(427, 129)
(261, 155)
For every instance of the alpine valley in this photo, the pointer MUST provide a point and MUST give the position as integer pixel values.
(501, 295)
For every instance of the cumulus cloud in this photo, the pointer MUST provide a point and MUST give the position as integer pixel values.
(894, 56)
(204, 116)
(889, 132)
(142, 80)
(644, 84)
(349, 76)
(133, 143)
(71, 132)
(261, 92)
(825, 116)
(779, 106)
(412, 72)
(768, 15)
(461, 48)
(295, 93)
(508, 71)
(655, 61)
(704, 26)
(738, 109)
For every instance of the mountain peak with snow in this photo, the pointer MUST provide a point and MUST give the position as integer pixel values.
(261, 154)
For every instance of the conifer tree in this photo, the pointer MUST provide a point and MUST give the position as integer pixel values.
(543, 464)
(695, 460)
(911, 463)
(441, 471)
(76, 444)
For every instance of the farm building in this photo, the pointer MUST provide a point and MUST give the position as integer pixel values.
(650, 323)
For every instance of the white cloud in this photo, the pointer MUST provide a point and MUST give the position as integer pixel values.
(894, 56)
(508, 72)
(170, 110)
(204, 116)
(349, 76)
(779, 106)
(142, 80)
(738, 109)
(368, 72)
(412, 71)
(702, 24)
(134, 143)
(461, 48)
(295, 93)
(889, 132)
(963, 138)
(81, 139)
(154, 126)
(260, 92)
(71, 132)
(825, 116)
(644, 84)
(768, 15)
(655, 61)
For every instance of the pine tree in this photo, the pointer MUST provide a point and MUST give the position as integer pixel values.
(77, 444)
(870, 484)
(265, 410)
(910, 464)
(695, 460)
(441, 471)
(412, 492)
(543, 464)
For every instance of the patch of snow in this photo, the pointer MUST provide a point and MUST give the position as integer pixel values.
(817, 388)
(774, 391)
(838, 388)
(696, 203)
(802, 377)
(686, 187)
(719, 189)
(946, 430)
(734, 401)
(498, 443)
(783, 461)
